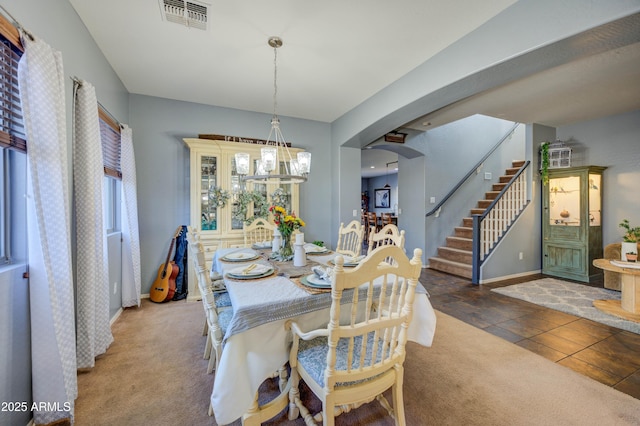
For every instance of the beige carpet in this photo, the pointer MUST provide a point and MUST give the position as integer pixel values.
(154, 374)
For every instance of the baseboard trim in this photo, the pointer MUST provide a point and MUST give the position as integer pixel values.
(116, 316)
(508, 277)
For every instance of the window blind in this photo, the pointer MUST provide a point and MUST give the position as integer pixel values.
(110, 138)
(12, 134)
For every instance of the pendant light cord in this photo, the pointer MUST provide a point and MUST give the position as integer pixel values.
(275, 80)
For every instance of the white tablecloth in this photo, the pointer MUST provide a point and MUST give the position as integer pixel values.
(253, 353)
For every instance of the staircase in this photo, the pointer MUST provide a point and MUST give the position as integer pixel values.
(456, 257)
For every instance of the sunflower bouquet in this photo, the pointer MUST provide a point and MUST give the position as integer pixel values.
(286, 224)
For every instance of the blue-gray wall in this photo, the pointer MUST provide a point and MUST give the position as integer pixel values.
(378, 182)
(162, 162)
(613, 142)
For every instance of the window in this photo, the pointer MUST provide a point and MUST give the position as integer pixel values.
(110, 138)
(112, 204)
(13, 145)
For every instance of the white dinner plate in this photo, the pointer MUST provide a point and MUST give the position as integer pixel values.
(313, 280)
(240, 256)
(258, 271)
(348, 262)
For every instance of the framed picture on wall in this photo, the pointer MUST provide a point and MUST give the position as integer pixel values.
(383, 198)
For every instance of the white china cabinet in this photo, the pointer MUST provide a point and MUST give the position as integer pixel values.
(212, 173)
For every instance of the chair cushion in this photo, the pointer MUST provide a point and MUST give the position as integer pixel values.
(312, 356)
(222, 299)
(224, 318)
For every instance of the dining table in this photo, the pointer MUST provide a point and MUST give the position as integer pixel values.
(257, 343)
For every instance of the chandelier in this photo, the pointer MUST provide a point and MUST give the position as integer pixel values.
(276, 163)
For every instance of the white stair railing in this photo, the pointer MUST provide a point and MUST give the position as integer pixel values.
(491, 226)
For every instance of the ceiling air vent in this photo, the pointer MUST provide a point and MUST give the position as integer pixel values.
(188, 13)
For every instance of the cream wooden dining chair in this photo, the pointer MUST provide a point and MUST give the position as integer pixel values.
(217, 317)
(350, 239)
(193, 239)
(388, 235)
(361, 352)
(258, 231)
(217, 305)
(218, 320)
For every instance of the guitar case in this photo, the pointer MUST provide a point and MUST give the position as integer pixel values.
(180, 258)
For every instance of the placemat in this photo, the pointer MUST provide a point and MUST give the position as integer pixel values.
(287, 268)
(275, 271)
(308, 289)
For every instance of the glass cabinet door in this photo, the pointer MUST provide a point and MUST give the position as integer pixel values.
(236, 187)
(564, 201)
(595, 199)
(208, 182)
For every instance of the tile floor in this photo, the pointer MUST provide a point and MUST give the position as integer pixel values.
(606, 354)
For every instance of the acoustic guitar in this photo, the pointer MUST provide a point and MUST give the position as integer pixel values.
(164, 287)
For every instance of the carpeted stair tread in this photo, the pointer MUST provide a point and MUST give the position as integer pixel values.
(450, 267)
(464, 232)
(460, 243)
(456, 255)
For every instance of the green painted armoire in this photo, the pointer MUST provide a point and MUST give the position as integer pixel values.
(572, 222)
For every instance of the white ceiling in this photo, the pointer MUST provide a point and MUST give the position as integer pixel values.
(336, 54)
(375, 162)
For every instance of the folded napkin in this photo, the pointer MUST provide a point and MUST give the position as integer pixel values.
(312, 248)
(240, 254)
(355, 259)
(324, 274)
(252, 269)
(263, 244)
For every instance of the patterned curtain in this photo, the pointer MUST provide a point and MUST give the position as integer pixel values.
(53, 340)
(130, 236)
(93, 329)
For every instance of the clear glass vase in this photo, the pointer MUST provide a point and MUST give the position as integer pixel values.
(286, 251)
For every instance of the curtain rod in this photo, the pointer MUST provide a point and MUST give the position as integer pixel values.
(106, 111)
(18, 24)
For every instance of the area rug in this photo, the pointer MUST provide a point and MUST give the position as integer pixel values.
(572, 298)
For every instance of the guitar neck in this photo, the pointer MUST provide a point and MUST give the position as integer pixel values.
(173, 241)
